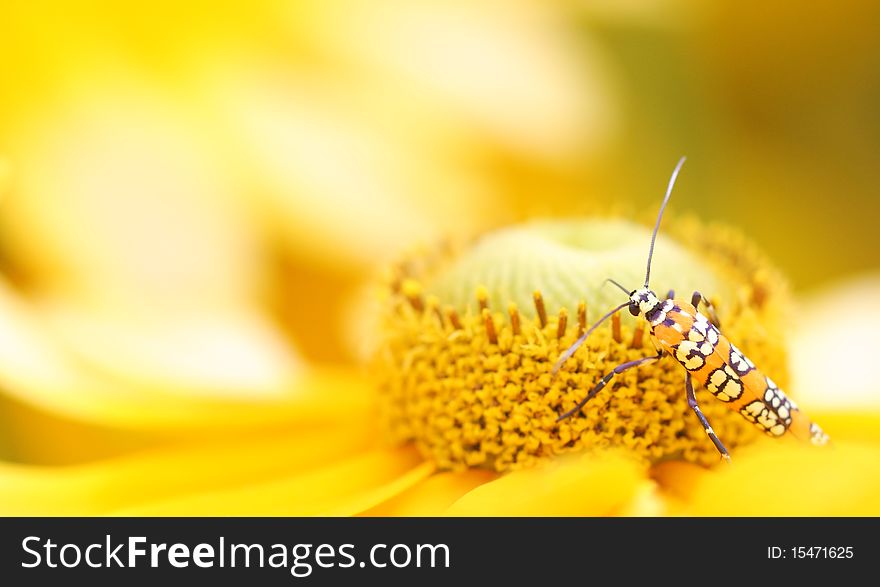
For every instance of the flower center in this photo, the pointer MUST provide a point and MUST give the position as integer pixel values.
(469, 339)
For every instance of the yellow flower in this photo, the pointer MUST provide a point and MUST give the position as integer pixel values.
(472, 386)
(317, 447)
(188, 219)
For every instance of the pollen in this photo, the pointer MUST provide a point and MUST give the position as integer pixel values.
(469, 336)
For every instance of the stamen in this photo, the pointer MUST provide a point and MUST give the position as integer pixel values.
(412, 290)
(514, 319)
(563, 321)
(615, 328)
(582, 317)
(539, 306)
(490, 326)
(638, 336)
(483, 298)
(433, 305)
(453, 318)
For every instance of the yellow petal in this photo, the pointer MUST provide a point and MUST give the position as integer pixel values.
(311, 493)
(342, 188)
(849, 425)
(38, 370)
(5, 175)
(461, 56)
(432, 496)
(122, 198)
(32, 435)
(598, 485)
(175, 471)
(678, 479)
(783, 479)
(372, 497)
(647, 501)
(834, 349)
(319, 399)
(234, 353)
(58, 408)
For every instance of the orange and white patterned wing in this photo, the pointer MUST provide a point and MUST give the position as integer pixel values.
(729, 375)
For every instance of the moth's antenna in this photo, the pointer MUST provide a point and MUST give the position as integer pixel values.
(568, 353)
(660, 216)
(620, 287)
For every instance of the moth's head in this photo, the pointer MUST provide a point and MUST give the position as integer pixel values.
(642, 301)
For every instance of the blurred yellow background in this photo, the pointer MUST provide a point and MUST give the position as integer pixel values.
(206, 150)
(195, 194)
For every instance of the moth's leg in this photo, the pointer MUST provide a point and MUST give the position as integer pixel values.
(607, 379)
(692, 402)
(713, 317)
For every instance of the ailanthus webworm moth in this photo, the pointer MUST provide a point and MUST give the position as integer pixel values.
(679, 329)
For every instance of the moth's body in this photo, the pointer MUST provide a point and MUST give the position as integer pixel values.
(681, 331)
